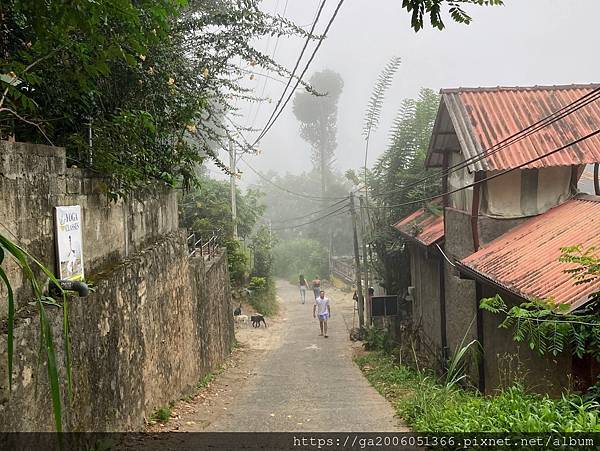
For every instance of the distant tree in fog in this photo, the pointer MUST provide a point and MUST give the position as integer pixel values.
(318, 120)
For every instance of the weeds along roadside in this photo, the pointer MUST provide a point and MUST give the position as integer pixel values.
(429, 404)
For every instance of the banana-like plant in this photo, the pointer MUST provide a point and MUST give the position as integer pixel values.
(27, 263)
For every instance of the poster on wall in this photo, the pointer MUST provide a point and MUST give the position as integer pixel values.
(69, 243)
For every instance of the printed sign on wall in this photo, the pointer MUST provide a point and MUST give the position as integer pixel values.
(69, 248)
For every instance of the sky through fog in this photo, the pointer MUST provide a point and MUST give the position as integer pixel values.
(524, 42)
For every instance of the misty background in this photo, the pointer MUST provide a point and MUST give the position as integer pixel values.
(524, 42)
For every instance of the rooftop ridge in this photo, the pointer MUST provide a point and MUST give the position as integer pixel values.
(519, 88)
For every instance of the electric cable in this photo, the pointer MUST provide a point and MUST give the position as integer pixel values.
(506, 142)
(270, 123)
(311, 213)
(305, 196)
(343, 209)
(577, 141)
(298, 60)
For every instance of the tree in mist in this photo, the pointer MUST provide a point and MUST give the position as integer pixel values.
(285, 211)
(318, 120)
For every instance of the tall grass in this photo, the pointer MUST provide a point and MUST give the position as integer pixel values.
(27, 263)
(431, 405)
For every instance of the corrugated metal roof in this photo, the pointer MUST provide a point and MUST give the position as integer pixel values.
(479, 118)
(423, 226)
(525, 259)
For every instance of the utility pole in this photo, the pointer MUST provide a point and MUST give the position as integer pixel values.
(359, 292)
(364, 249)
(232, 158)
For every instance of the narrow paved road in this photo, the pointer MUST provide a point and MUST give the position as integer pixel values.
(308, 382)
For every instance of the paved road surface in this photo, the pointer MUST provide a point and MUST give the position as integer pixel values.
(308, 382)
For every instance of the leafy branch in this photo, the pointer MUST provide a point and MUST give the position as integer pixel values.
(27, 263)
(547, 327)
(419, 9)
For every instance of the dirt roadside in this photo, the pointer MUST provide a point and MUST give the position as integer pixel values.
(197, 412)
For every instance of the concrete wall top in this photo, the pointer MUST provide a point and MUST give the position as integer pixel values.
(34, 179)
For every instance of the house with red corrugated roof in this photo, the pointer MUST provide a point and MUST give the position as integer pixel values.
(512, 159)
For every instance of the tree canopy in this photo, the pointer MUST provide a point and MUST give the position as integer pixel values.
(318, 120)
(146, 83)
(391, 183)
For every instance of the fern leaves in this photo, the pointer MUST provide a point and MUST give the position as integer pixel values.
(384, 81)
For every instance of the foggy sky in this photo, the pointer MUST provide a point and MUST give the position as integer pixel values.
(524, 42)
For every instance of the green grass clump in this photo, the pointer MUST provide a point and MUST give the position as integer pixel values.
(203, 383)
(429, 405)
(264, 299)
(163, 415)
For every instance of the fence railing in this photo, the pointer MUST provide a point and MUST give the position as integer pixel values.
(343, 270)
(202, 246)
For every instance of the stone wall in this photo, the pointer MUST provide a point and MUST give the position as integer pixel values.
(460, 293)
(157, 322)
(34, 179)
(507, 362)
(425, 276)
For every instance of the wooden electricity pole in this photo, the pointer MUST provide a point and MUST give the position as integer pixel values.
(364, 249)
(359, 292)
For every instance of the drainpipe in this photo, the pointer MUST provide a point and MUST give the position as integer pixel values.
(596, 179)
(475, 209)
(441, 269)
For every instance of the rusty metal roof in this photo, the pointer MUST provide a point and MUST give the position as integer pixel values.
(525, 259)
(475, 119)
(422, 226)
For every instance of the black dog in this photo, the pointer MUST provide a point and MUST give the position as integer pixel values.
(257, 319)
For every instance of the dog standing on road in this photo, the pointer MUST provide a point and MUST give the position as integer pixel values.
(257, 319)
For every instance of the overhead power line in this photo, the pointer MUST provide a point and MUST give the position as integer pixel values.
(559, 114)
(293, 73)
(311, 213)
(343, 209)
(268, 180)
(274, 116)
(266, 77)
(437, 196)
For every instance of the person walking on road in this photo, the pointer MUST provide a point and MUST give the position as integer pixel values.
(316, 285)
(322, 308)
(303, 286)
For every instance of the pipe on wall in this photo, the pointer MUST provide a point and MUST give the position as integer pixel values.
(475, 209)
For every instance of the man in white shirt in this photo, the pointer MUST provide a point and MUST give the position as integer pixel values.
(323, 309)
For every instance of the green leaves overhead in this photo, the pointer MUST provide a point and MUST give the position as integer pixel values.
(419, 9)
(149, 81)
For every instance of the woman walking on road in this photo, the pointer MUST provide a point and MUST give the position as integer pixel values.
(316, 286)
(303, 287)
